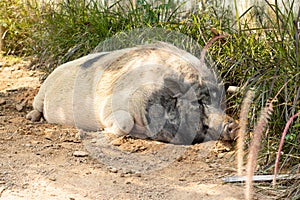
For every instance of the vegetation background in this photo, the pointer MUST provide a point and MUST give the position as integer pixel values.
(259, 50)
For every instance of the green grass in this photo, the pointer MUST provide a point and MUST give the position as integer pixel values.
(19, 21)
(264, 57)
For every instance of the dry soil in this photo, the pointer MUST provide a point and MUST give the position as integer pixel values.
(45, 161)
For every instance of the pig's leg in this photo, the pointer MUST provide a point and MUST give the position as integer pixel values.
(119, 123)
(34, 116)
(38, 104)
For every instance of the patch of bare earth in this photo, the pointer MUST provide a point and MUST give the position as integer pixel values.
(44, 161)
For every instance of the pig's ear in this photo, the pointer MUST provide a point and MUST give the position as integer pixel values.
(175, 86)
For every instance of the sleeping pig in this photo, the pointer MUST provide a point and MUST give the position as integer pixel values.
(154, 91)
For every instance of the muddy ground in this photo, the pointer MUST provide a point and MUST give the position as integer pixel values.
(44, 161)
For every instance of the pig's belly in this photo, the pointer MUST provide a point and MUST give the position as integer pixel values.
(70, 99)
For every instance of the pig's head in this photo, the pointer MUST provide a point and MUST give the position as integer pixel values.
(219, 125)
(187, 113)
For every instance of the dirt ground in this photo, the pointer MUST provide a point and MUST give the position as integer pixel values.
(44, 161)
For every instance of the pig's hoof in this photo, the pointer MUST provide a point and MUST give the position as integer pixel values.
(34, 116)
(121, 123)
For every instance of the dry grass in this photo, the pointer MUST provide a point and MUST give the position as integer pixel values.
(242, 129)
(255, 146)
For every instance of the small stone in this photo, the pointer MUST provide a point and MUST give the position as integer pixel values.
(112, 170)
(142, 148)
(117, 142)
(28, 145)
(52, 179)
(34, 142)
(138, 174)
(19, 107)
(25, 185)
(179, 158)
(49, 135)
(128, 171)
(88, 172)
(2, 102)
(182, 179)
(221, 155)
(2, 182)
(80, 153)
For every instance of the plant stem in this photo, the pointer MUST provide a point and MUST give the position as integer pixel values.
(281, 144)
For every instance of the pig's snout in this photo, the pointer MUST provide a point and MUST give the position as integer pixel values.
(230, 129)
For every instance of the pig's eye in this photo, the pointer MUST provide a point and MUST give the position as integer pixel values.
(195, 103)
(229, 121)
(228, 128)
(205, 128)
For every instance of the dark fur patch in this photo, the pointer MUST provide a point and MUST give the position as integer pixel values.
(90, 62)
(182, 121)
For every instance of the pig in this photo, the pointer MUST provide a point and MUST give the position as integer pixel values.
(153, 91)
